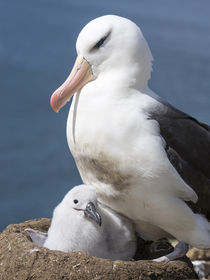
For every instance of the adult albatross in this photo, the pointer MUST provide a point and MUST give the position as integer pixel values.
(146, 159)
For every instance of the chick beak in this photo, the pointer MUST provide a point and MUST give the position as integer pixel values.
(91, 212)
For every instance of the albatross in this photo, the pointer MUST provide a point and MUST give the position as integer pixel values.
(81, 223)
(146, 159)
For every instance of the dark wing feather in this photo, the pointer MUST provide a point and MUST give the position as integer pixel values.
(188, 149)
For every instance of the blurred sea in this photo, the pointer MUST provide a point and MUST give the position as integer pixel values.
(37, 50)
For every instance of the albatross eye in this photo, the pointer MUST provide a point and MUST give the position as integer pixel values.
(100, 42)
(76, 201)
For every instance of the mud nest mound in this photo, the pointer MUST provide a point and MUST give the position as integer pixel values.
(21, 259)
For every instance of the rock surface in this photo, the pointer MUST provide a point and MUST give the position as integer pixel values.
(20, 259)
(201, 261)
(198, 254)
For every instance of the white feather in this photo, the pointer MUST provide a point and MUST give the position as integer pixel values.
(70, 230)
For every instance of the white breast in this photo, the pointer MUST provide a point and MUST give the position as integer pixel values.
(120, 152)
(112, 131)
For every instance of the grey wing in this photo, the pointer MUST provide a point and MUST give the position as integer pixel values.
(188, 149)
(38, 237)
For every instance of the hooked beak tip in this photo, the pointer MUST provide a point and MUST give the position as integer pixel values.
(54, 103)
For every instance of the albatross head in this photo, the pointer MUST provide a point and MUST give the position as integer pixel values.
(78, 204)
(108, 46)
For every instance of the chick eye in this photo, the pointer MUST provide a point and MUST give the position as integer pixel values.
(76, 201)
(100, 42)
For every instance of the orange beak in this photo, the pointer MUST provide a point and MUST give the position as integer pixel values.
(80, 75)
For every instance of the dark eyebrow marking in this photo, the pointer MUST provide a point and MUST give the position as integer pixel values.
(101, 41)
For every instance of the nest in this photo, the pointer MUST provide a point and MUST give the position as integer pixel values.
(21, 259)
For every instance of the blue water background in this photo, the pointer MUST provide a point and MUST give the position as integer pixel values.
(37, 50)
